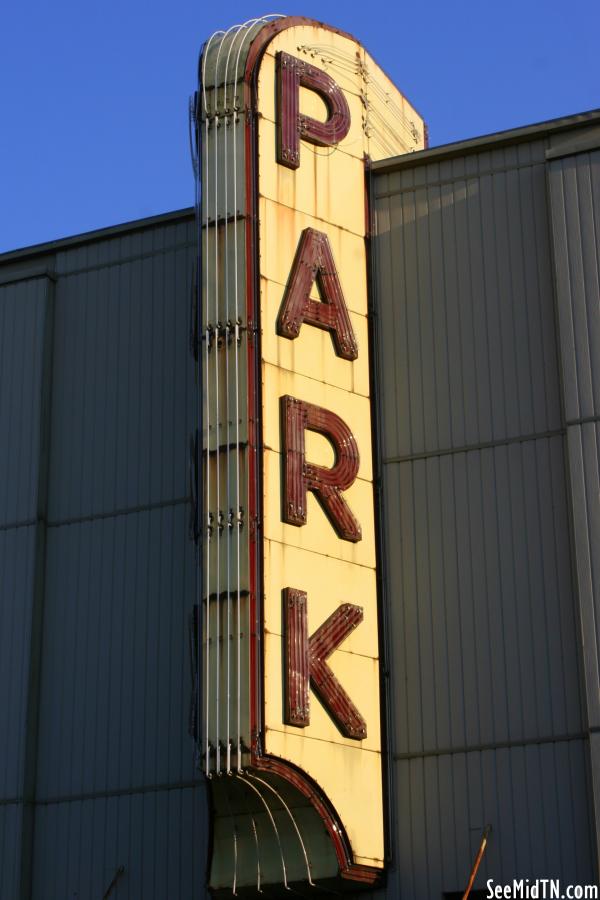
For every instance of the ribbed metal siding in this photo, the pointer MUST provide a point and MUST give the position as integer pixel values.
(10, 840)
(575, 197)
(482, 613)
(116, 674)
(574, 187)
(487, 711)
(116, 783)
(465, 282)
(16, 593)
(111, 577)
(22, 319)
(534, 795)
(131, 243)
(584, 470)
(16, 587)
(123, 383)
(158, 837)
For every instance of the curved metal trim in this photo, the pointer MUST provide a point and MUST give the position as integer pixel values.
(254, 834)
(318, 800)
(273, 823)
(235, 839)
(294, 823)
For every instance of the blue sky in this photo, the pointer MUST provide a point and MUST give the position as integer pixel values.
(94, 96)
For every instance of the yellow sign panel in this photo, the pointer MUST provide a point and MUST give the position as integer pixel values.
(288, 114)
(325, 192)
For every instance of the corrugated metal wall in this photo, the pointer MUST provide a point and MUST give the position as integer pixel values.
(574, 183)
(98, 573)
(487, 318)
(25, 330)
(488, 707)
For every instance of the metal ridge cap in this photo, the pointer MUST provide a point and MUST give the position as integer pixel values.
(94, 235)
(494, 139)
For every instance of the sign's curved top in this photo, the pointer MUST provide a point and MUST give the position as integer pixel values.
(288, 113)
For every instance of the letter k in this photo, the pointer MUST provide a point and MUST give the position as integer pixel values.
(306, 665)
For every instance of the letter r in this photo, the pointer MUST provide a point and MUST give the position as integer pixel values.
(300, 476)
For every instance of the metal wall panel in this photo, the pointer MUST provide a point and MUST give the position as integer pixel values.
(584, 470)
(575, 198)
(22, 319)
(574, 189)
(484, 634)
(123, 383)
(10, 846)
(26, 319)
(108, 576)
(158, 837)
(16, 591)
(484, 639)
(535, 796)
(491, 159)
(129, 243)
(467, 327)
(116, 674)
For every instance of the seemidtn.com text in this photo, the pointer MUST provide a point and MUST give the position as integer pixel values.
(541, 889)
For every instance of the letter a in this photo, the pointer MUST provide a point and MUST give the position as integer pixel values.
(314, 262)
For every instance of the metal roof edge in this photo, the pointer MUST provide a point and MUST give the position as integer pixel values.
(96, 234)
(496, 139)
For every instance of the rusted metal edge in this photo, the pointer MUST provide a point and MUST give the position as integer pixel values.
(485, 142)
(85, 237)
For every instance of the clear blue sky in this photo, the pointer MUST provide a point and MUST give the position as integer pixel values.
(94, 96)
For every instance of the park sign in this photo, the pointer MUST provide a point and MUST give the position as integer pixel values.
(288, 114)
